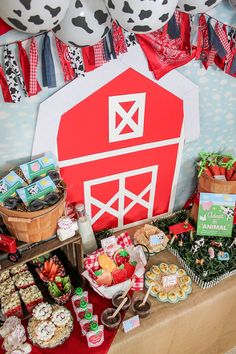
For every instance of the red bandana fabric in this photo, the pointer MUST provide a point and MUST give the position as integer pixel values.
(4, 27)
(203, 48)
(165, 54)
(4, 86)
(118, 39)
(64, 56)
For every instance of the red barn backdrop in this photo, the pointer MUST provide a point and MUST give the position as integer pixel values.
(118, 136)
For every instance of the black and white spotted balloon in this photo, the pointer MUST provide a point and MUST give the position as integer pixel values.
(141, 16)
(197, 6)
(33, 16)
(233, 3)
(85, 24)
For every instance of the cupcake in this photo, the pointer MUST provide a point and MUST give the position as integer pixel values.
(162, 296)
(150, 276)
(155, 269)
(154, 290)
(173, 268)
(163, 267)
(172, 296)
(45, 330)
(181, 273)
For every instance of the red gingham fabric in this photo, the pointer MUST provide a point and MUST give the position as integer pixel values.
(33, 89)
(25, 67)
(99, 54)
(5, 89)
(91, 262)
(211, 57)
(221, 33)
(231, 59)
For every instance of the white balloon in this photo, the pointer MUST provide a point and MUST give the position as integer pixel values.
(141, 16)
(197, 6)
(33, 16)
(85, 24)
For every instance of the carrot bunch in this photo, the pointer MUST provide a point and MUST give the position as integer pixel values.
(217, 166)
(51, 269)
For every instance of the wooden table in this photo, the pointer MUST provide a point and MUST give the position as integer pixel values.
(72, 247)
(203, 324)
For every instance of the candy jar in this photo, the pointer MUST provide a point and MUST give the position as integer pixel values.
(84, 307)
(95, 336)
(85, 323)
(78, 296)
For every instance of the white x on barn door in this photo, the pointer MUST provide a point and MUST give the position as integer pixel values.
(106, 207)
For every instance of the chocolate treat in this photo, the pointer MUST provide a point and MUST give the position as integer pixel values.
(36, 204)
(35, 179)
(142, 311)
(51, 198)
(117, 299)
(54, 175)
(11, 203)
(110, 323)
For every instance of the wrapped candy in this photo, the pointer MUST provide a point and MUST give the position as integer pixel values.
(10, 324)
(15, 338)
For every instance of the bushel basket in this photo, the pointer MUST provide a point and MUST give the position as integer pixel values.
(33, 226)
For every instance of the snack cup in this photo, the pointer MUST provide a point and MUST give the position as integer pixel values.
(61, 300)
(110, 323)
(142, 311)
(116, 300)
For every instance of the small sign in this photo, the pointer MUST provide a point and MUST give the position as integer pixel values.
(131, 323)
(156, 239)
(216, 214)
(169, 280)
(110, 245)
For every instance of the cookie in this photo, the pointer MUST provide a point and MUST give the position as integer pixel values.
(106, 262)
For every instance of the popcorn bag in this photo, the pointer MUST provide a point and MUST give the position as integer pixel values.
(110, 263)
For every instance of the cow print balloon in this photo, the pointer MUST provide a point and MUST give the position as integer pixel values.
(85, 23)
(233, 3)
(141, 16)
(196, 6)
(33, 16)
